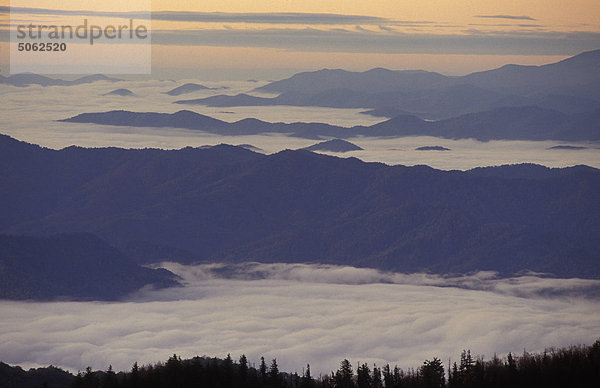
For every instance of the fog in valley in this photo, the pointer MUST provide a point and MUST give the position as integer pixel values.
(30, 114)
(303, 313)
(120, 255)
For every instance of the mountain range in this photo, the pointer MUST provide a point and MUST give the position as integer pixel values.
(227, 203)
(510, 123)
(570, 86)
(27, 79)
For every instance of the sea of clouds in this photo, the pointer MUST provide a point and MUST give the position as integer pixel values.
(30, 114)
(297, 313)
(305, 313)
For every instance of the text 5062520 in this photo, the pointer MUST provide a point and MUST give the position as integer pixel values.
(50, 47)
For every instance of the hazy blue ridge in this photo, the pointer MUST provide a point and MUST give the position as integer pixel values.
(71, 266)
(27, 79)
(190, 88)
(507, 123)
(334, 145)
(570, 86)
(227, 203)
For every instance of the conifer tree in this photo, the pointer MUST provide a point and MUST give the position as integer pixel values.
(377, 382)
(388, 378)
(109, 380)
(134, 379)
(344, 375)
(243, 368)
(274, 378)
(363, 376)
(307, 380)
(432, 374)
(262, 371)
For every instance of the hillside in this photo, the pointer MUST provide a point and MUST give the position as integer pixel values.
(52, 377)
(229, 203)
(70, 266)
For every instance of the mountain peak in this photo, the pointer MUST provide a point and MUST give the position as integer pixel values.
(592, 55)
(334, 145)
(120, 92)
(187, 113)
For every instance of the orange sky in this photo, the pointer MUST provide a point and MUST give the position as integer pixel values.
(454, 17)
(449, 36)
(557, 14)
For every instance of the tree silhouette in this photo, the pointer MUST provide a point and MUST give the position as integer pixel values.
(243, 369)
(344, 375)
(377, 382)
(109, 380)
(262, 372)
(575, 366)
(432, 374)
(274, 378)
(363, 376)
(307, 380)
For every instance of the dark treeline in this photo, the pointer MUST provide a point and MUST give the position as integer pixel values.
(576, 366)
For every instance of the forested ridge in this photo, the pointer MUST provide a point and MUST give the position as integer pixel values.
(229, 204)
(76, 266)
(574, 366)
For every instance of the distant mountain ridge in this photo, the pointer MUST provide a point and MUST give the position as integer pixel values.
(577, 76)
(374, 81)
(513, 123)
(227, 203)
(334, 145)
(570, 86)
(120, 92)
(191, 120)
(27, 79)
(190, 88)
(574, 72)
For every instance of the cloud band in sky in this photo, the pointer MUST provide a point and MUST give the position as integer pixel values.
(219, 17)
(329, 32)
(364, 41)
(510, 17)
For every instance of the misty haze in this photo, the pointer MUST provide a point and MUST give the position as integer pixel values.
(303, 195)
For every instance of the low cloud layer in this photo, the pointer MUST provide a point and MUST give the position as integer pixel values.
(216, 17)
(510, 17)
(527, 285)
(520, 41)
(317, 32)
(36, 123)
(303, 314)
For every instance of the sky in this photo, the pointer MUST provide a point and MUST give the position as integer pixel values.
(224, 39)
